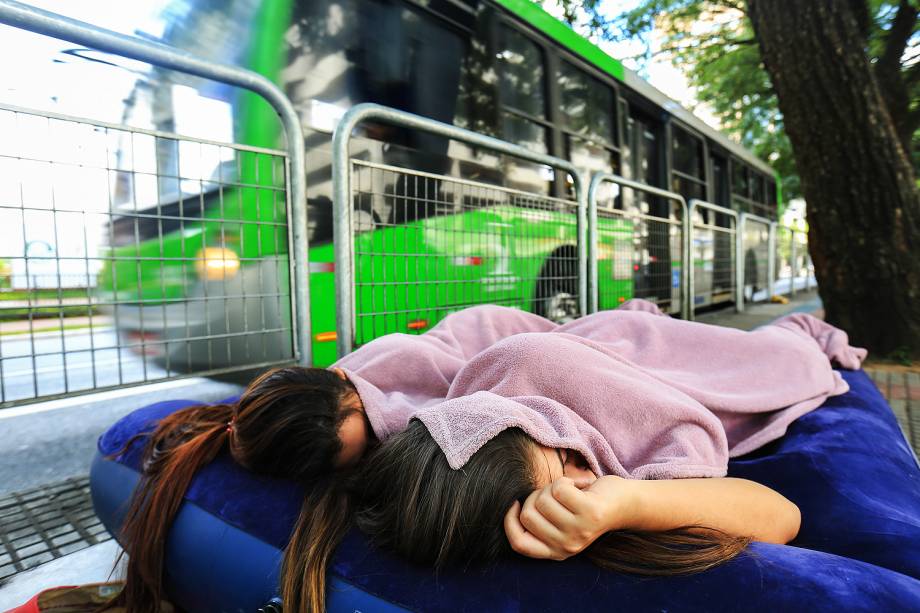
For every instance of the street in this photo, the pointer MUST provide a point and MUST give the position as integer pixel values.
(52, 440)
(79, 360)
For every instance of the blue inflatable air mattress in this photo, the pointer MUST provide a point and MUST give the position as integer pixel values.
(847, 466)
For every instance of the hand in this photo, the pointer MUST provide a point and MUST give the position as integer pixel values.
(563, 518)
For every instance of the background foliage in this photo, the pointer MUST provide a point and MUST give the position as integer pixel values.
(712, 43)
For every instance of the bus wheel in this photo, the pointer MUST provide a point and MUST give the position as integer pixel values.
(557, 291)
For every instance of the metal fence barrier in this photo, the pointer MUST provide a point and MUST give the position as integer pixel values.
(447, 243)
(793, 263)
(756, 253)
(633, 254)
(201, 271)
(785, 257)
(714, 252)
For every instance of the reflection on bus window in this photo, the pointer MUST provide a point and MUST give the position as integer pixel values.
(522, 85)
(524, 133)
(688, 154)
(343, 52)
(587, 104)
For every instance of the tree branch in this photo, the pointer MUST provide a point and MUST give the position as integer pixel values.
(703, 46)
(902, 27)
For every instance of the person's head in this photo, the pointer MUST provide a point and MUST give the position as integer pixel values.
(287, 424)
(311, 414)
(407, 499)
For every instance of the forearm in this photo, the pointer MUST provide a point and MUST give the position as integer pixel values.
(736, 506)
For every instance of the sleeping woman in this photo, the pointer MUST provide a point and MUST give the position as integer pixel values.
(500, 431)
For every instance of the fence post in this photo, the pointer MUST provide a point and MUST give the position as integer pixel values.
(739, 263)
(592, 245)
(771, 260)
(688, 261)
(50, 24)
(794, 267)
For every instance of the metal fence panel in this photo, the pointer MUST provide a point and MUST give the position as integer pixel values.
(803, 266)
(714, 252)
(448, 242)
(632, 254)
(756, 258)
(273, 182)
(133, 256)
(445, 243)
(786, 256)
(794, 270)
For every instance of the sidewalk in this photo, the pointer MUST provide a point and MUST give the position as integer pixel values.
(760, 313)
(900, 385)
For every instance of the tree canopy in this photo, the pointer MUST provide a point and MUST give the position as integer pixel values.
(713, 44)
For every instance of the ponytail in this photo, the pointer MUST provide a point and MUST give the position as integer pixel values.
(182, 443)
(682, 551)
(325, 518)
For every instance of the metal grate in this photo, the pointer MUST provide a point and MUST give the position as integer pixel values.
(41, 524)
(134, 256)
(426, 245)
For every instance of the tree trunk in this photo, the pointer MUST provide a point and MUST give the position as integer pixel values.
(863, 203)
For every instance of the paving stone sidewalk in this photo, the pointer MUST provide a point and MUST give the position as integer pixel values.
(901, 387)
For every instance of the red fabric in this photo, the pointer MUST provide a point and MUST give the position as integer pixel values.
(32, 605)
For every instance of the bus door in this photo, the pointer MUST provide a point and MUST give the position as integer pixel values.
(653, 278)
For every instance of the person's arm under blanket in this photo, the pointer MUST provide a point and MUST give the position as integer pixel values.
(562, 519)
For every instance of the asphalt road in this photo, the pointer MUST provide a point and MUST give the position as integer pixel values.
(50, 441)
(78, 360)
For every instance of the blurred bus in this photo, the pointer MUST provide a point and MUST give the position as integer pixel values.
(209, 219)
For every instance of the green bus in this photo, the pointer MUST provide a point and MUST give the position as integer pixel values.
(196, 271)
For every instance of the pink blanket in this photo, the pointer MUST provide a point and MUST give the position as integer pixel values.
(637, 393)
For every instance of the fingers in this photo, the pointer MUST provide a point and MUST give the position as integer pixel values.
(569, 494)
(522, 541)
(536, 523)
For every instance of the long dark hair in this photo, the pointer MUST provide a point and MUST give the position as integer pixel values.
(407, 499)
(285, 413)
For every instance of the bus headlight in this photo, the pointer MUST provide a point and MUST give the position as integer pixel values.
(217, 264)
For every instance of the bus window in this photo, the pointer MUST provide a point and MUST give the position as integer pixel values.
(523, 103)
(720, 181)
(740, 186)
(587, 106)
(757, 192)
(342, 52)
(522, 80)
(477, 98)
(688, 177)
(771, 196)
(688, 154)
(587, 117)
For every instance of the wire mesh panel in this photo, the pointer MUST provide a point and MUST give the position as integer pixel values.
(426, 245)
(785, 261)
(130, 256)
(756, 259)
(638, 256)
(713, 252)
(637, 243)
(802, 269)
